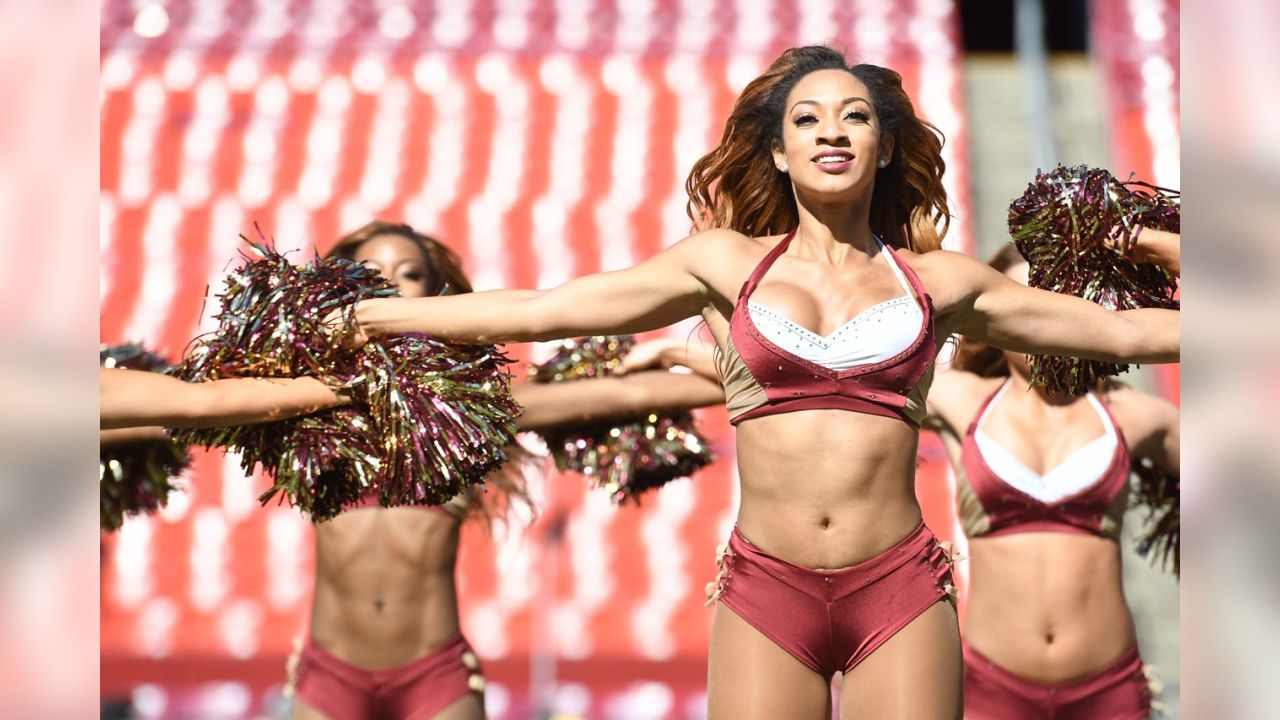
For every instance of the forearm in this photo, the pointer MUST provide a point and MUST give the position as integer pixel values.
(121, 436)
(483, 317)
(581, 401)
(132, 399)
(665, 391)
(248, 401)
(697, 357)
(1159, 247)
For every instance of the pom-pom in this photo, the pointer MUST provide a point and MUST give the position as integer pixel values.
(625, 458)
(135, 477)
(1062, 224)
(427, 418)
(1159, 493)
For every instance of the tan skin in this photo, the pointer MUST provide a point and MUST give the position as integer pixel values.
(384, 591)
(135, 405)
(1158, 247)
(819, 488)
(1046, 606)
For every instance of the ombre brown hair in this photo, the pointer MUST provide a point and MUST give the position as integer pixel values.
(507, 484)
(737, 186)
(978, 358)
(444, 265)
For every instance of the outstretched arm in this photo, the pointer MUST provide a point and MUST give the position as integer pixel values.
(993, 309)
(133, 398)
(579, 401)
(658, 292)
(667, 353)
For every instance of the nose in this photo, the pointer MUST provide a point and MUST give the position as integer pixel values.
(830, 133)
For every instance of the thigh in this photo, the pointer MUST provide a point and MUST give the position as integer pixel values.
(467, 707)
(915, 675)
(751, 678)
(303, 711)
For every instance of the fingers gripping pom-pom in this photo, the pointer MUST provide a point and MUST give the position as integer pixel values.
(626, 458)
(135, 477)
(1064, 225)
(426, 420)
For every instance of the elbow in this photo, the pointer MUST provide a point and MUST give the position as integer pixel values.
(1166, 348)
(1147, 342)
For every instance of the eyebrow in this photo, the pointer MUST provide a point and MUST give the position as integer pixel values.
(843, 102)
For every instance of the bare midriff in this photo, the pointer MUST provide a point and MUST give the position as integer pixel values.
(1048, 607)
(385, 592)
(826, 489)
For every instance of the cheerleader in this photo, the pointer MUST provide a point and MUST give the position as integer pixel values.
(820, 278)
(385, 636)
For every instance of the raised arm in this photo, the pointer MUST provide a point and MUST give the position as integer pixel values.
(1157, 247)
(133, 398)
(991, 308)
(551, 404)
(653, 294)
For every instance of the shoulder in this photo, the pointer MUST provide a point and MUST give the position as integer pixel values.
(939, 264)
(1140, 415)
(948, 276)
(721, 257)
(714, 239)
(956, 396)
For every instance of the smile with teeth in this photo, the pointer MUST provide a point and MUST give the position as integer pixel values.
(833, 158)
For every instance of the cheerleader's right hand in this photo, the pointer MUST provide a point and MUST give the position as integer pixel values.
(344, 328)
(649, 355)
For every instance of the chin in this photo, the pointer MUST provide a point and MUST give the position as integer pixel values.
(832, 187)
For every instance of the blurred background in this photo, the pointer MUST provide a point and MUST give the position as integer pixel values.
(541, 140)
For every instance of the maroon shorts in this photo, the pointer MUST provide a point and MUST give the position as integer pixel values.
(1120, 692)
(417, 690)
(831, 620)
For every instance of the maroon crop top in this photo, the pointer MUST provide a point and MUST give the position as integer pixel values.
(791, 383)
(990, 506)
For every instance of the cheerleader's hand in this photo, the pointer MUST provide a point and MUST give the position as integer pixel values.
(344, 329)
(650, 355)
(1150, 246)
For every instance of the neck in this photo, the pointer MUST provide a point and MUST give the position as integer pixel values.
(836, 228)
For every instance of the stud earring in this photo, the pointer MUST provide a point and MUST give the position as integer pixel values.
(782, 168)
(883, 163)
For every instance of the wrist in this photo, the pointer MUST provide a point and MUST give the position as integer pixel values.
(672, 355)
(364, 318)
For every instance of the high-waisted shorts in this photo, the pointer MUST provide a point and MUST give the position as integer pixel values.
(831, 620)
(417, 690)
(1119, 692)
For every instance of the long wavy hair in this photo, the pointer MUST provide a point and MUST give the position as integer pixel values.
(737, 186)
(508, 489)
(979, 358)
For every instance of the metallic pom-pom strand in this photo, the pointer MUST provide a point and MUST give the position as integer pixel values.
(427, 418)
(136, 477)
(439, 406)
(1160, 537)
(1062, 224)
(625, 458)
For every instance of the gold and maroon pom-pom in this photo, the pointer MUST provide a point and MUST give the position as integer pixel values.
(1065, 225)
(135, 477)
(427, 418)
(626, 458)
